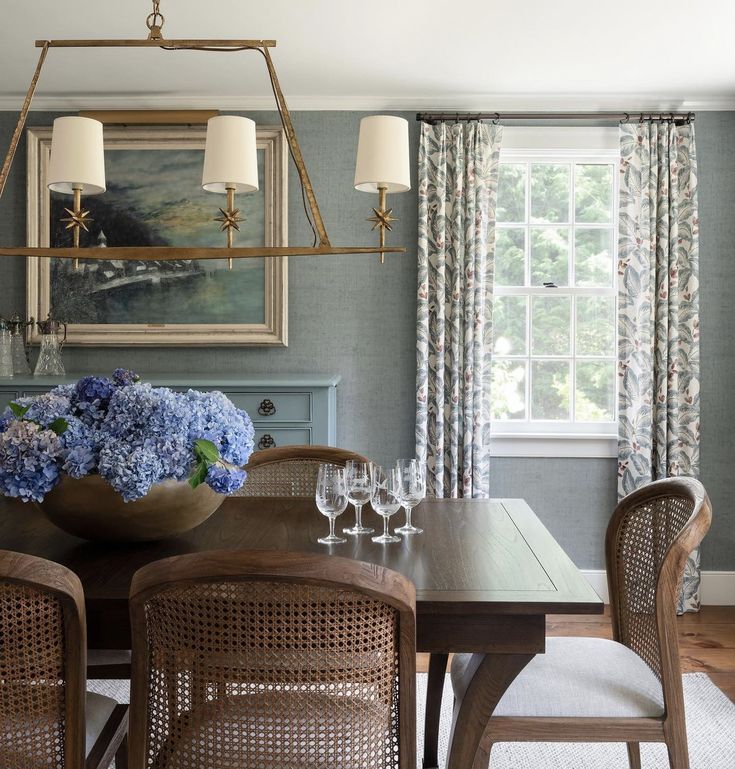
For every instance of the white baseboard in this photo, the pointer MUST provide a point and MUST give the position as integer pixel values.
(718, 587)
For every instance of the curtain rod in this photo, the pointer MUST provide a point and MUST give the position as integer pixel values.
(613, 117)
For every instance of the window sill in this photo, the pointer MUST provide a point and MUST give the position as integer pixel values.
(553, 445)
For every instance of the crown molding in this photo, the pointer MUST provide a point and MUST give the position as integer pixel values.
(439, 102)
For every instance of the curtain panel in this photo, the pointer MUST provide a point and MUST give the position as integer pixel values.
(457, 192)
(658, 313)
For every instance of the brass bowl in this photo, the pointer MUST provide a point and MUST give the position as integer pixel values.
(90, 508)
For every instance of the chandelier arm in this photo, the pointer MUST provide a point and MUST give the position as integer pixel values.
(162, 43)
(22, 119)
(293, 143)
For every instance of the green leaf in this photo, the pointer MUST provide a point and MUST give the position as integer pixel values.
(206, 450)
(18, 410)
(199, 474)
(59, 426)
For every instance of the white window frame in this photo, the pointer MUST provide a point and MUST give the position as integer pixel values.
(555, 439)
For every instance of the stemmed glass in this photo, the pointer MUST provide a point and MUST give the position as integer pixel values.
(331, 498)
(386, 499)
(359, 478)
(413, 490)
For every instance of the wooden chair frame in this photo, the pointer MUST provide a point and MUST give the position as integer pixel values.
(378, 582)
(670, 727)
(264, 459)
(316, 453)
(65, 587)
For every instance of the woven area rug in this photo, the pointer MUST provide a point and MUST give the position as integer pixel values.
(710, 727)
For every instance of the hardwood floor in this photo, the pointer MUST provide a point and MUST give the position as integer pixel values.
(706, 641)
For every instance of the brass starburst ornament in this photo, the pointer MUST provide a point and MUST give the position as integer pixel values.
(229, 219)
(382, 219)
(77, 219)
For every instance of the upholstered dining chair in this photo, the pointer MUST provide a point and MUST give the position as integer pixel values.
(290, 471)
(272, 658)
(628, 689)
(47, 718)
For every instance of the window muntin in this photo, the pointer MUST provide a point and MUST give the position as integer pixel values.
(554, 344)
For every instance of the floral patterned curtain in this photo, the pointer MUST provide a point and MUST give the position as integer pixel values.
(458, 183)
(658, 313)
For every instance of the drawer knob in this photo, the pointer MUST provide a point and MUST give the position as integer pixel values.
(266, 442)
(266, 408)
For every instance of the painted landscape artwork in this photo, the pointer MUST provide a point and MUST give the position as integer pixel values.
(154, 197)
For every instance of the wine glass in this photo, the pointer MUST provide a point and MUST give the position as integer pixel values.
(413, 490)
(331, 498)
(359, 478)
(386, 499)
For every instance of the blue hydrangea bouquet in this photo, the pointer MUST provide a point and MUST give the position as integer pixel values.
(131, 434)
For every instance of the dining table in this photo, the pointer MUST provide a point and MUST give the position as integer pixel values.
(487, 574)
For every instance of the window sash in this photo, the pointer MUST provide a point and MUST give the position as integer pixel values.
(547, 430)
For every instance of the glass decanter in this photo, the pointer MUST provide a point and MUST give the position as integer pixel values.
(6, 353)
(49, 358)
(18, 343)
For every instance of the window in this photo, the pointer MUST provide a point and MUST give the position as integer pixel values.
(554, 315)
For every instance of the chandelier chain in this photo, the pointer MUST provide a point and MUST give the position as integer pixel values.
(155, 21)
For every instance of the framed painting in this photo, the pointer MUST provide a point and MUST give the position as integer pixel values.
(154, 197)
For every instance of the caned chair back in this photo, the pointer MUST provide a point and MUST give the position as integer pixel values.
(267, 658)
(290, 471)
(649, 538)
(42, 662)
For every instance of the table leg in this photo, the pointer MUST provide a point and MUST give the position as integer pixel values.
(434, 689)
(479, 682)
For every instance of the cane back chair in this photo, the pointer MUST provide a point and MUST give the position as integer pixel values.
(629, 689)
(47, 718)
(272, 659)
(291, 471)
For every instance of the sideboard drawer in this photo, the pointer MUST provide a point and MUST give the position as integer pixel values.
(270, 437)
(274, 406)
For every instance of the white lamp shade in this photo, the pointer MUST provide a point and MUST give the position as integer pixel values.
(77, 156)
(382, 154)
(230, 155)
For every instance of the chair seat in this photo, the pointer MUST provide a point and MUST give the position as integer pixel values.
(99, 709)
(295, 730)
(584, 678)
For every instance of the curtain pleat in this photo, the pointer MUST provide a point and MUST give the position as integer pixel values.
(458, 182)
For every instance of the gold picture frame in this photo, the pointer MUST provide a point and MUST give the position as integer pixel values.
(109, 326)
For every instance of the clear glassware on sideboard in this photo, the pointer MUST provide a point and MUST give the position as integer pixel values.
(18, 326)
(6, 350)
(49, 361)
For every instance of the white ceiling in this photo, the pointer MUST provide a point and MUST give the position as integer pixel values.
(372, 54)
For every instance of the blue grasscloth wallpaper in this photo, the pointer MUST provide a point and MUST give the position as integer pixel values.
(353, 317)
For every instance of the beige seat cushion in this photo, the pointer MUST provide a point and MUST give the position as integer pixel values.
(584, 677)
(99, 709)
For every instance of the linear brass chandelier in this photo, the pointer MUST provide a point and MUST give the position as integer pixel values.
(77, 164)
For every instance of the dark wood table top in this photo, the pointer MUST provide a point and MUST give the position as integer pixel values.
(476, 556)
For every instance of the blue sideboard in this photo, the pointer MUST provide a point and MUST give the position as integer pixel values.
(285, 408)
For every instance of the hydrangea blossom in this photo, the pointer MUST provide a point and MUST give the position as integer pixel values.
(134, 435)
(123, 377)
(224, 479)
(29, 457)
(91, 389)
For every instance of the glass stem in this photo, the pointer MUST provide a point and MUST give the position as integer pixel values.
(386, 533)
(408, 516)
(331, 526)
(358, 516)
